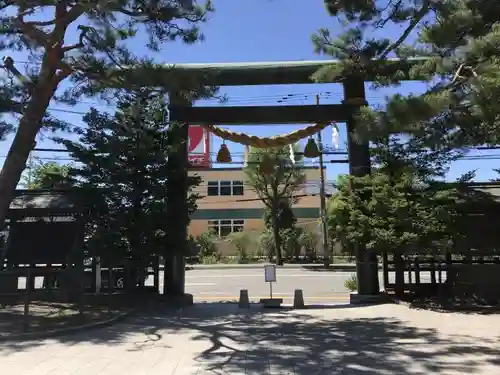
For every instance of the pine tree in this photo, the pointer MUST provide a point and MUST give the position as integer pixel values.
(404, 206)
(458, 43)
(104, 33)
(14, 96)
(124, 157)
(453, 45)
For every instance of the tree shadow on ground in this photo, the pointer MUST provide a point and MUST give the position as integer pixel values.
(47, 316)
(229, 340)
(469, 306)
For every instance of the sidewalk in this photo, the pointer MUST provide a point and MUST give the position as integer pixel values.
(222, 339)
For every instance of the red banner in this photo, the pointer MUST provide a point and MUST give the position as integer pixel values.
(199, 146)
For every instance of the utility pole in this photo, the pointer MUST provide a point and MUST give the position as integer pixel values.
(324, 226)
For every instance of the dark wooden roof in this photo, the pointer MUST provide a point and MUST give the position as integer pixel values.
(41, 200)
(45, 203)
(492, 188)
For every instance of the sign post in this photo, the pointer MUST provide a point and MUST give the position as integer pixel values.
(98, 276)
(270, 277)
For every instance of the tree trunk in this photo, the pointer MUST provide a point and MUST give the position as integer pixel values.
(277, 238)
(400, 274)
(24, 140)
(131, 281)
(135, 229)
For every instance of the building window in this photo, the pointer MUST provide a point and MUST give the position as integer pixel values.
(225, 188)
(222, 228)
(213, 188)
(238, 188)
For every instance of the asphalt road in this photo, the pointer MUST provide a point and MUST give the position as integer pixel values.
(319, 287)
(224, 285)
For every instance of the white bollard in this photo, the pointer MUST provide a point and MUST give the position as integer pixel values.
(298, 299)
(244, 301)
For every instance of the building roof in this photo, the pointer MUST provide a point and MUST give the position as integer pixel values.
(484, 193)
(43, 202)
(492, 188)
(34, 199)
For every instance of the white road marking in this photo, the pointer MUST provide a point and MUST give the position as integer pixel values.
(226, 293)
(200, 284)
(278, 275)
(219, 298)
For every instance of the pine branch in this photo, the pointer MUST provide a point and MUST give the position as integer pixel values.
(32, 32)
(414, 22)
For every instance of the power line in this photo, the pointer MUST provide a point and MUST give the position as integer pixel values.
(248, 99)
(306, 163)
(74, 112)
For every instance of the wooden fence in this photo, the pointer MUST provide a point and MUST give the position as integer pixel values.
(429, 274)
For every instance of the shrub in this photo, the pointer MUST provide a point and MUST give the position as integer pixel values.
(210, 259)
(266, 245)
(242, 242)
(206, 245)
(351, 283)
(290, 243)
(308, 241)
(193, 248)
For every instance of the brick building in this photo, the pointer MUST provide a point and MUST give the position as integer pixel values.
(228, 204)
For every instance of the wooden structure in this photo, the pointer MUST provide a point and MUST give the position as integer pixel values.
(44, 237)
(471, 268)
(179, 77)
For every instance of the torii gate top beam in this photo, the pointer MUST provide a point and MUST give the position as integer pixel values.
(258, 73)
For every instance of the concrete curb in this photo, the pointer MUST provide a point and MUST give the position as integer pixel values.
(366, 300)
(313, 267)
(397, 301)
(66, 331)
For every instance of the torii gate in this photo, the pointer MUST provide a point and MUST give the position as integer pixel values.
(260, 73)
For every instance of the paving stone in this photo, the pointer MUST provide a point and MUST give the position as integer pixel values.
(220, 339)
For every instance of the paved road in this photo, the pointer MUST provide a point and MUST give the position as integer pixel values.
(318, 286)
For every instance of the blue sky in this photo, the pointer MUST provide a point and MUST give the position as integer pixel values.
(263, 30)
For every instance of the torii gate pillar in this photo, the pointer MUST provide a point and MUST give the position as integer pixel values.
(359, 166)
